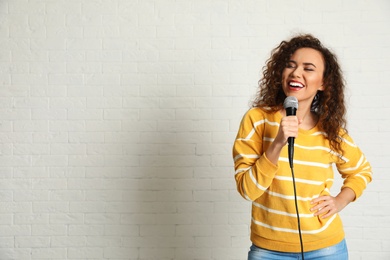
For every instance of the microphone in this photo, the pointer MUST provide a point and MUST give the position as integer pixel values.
(291, 105)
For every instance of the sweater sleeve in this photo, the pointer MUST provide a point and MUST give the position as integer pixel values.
(354, 168)
(253, 171)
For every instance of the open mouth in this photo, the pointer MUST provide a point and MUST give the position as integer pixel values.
(295, 85)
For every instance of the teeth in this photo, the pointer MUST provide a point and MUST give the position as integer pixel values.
(296, 84)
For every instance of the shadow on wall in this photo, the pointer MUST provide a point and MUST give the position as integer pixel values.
(183, 199)
(163, 208)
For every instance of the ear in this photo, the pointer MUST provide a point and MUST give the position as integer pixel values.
(321, 88)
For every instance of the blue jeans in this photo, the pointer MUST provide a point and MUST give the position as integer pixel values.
(336, 252)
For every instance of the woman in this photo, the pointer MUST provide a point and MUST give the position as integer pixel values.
(302, 68)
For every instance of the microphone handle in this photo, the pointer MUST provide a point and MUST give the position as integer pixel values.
(291, 111)
(291, 151)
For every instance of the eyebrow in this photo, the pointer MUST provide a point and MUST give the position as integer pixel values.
(309, 63)
(305, 63)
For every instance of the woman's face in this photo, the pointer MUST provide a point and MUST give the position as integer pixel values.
(303, 75)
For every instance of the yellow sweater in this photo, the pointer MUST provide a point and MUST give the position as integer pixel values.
(270, 187)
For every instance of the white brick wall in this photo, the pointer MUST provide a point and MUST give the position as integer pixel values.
(117, 119)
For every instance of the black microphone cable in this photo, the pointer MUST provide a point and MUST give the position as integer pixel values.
(296, 209)
(290, 104)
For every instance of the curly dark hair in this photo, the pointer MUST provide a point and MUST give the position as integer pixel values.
(328, 104)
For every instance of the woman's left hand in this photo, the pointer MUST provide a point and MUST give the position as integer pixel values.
(326, 206)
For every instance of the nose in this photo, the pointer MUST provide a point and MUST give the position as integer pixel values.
(297, 72)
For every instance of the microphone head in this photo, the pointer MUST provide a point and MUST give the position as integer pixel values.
(290, 102)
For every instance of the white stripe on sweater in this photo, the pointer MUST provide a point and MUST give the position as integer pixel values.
(288, 230)
(256, 124)
(315, 164)
(278, 212)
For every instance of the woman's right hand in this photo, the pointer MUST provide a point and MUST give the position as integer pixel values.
(288, 128)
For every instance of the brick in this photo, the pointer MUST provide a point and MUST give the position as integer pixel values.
(32, 241)
(121, 252)
(32, 219)
(48, 44)
(45, 114)
(62, 218)
(48, 253)
(104, 219)
(50, 207)
(31, 195)
(99, 241)
(85, 230)
(66, 195)
(85, 252)
(68, 241)
(12, 253)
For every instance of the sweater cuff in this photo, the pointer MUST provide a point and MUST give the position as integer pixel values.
(355, 188)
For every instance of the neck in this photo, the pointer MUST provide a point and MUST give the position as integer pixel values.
(307, 118)
(304, 109)
(303, 114)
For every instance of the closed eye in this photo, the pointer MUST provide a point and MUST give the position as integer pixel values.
(291, 64)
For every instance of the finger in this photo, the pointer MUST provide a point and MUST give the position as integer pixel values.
(317, 207)
(290, 121)
(319, 199)
(328, 214)
(326, 210)
(319, 210)
(322, 207)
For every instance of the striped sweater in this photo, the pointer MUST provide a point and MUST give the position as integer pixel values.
(270, 187)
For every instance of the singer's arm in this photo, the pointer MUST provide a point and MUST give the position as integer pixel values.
(254, 172)
(356, 172)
